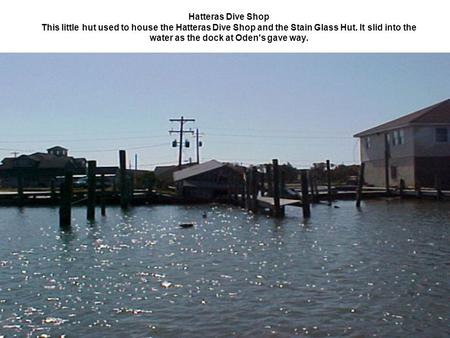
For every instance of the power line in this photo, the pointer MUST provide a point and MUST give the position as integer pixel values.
(281, 136)
(116, 149)
(86, 139)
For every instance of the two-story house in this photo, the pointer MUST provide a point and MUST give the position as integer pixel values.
(414, 147)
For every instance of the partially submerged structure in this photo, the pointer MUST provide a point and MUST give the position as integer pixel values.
(210, 180)
(414, 148)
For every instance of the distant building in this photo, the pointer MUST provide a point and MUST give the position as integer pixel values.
(39, 169)
(415, 148)
(57, 151)
(210, 180)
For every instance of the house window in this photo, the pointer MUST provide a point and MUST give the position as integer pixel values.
(394, 138)
(401, 136)
(397, 137)
(367, 142)
(441, 135)
(393, 172)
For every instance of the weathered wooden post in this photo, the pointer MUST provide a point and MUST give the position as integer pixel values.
(103, 196)
(65, 212)
(360, 185)
(330, 197)
(254, 189)
(123, 179)
(402, 187)
(91, 190)
(276, 188)
(305, 195)
(269, 174)
(20, 197)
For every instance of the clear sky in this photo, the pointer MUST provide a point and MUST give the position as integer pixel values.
(301, 108)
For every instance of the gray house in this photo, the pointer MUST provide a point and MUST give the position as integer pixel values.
(414, 147)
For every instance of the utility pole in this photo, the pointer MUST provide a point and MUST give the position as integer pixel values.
(135, 161)
(198, 144)
(182, 121)
(15, 153)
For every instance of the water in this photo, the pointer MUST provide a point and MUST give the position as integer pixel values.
(382, 271)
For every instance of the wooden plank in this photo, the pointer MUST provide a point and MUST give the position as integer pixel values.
(276, 188)
(65, 209)
(123, 180)
(91, 190)
(305, 194)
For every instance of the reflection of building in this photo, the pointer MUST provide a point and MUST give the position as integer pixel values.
(208, 181)
(39, 169)
(415, 148)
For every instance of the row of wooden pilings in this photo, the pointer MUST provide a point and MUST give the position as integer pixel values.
(267, 184)
(66, 189)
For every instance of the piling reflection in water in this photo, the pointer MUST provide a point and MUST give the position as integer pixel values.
(379, 270)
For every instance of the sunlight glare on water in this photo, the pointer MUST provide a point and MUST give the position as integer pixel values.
(381, 271)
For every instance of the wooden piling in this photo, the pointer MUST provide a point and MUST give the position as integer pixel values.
(254, 189)
(91, 190)
(103, 195)
(360, 185)
(65, 209)
(305, 194)
(276, 188)
(330, 197)
(123, 179)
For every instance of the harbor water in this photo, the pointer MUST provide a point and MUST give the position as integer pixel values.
(381, 271)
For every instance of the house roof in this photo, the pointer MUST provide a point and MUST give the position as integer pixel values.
(437, 113)
(41, 161)
(197, 170)
(166, 172)
(56, 148)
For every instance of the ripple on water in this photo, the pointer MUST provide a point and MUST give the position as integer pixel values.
(380, 271)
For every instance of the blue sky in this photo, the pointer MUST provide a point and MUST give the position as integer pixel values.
(301, 108)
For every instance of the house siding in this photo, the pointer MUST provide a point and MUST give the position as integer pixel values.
(401, 157)
(425, 142)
